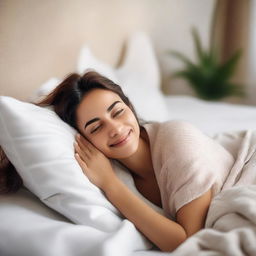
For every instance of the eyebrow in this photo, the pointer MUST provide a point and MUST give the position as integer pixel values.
(97, 119)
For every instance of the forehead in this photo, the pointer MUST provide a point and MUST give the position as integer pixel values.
(96, 103)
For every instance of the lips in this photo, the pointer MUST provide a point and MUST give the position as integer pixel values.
(121, 140)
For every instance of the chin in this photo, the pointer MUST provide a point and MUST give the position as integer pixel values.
(126, 153)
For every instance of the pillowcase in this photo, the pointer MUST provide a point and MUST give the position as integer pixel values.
(87, 60)
(40, 146)
(44, 89)
(139, 76)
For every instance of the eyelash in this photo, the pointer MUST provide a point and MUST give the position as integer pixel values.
(116, 114)
(94, 130)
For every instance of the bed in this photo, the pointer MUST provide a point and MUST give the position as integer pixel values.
(50, 217)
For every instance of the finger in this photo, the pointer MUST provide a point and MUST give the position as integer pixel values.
(81, 162)
(84, 143)
(83, 147)
(79, 146)
(84, 154)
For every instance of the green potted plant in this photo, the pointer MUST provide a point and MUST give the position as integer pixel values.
(208, 77)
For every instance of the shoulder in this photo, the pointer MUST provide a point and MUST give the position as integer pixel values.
(176, 129)
(177, 125)
(169, 125)
(173, 138)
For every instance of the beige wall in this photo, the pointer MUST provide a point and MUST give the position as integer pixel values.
(41, 39)
(231, 33)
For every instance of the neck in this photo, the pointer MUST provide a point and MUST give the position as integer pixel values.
(140, 163)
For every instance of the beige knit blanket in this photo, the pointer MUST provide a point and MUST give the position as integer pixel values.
(231, 221)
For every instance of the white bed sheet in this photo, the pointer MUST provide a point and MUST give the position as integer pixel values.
(212, 117)
(29, 228)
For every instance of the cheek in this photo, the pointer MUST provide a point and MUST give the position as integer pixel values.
(98, 142)
(93, 140)
(132, 119)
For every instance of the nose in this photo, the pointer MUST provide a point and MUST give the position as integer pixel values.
(115, 128)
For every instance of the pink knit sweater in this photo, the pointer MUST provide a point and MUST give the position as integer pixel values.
(186, 162)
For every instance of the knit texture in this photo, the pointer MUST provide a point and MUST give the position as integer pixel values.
(187, 163)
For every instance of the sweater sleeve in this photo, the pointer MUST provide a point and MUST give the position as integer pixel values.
(193, 163)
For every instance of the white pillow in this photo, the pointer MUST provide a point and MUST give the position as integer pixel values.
(40, 146)
(87, 60)
(45, 89)
(139, 76)
(140, 59)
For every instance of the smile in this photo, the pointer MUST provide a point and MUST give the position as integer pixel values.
(122, 140)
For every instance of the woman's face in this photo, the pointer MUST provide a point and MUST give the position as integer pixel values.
(108, 123)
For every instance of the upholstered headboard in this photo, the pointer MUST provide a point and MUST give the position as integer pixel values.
(41, 39)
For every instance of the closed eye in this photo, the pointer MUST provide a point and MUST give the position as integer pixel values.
(95, 129)
(118, 112)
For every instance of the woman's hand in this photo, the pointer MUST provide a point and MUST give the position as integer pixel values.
(95, 165)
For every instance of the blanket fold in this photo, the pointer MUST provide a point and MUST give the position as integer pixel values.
(231, 220)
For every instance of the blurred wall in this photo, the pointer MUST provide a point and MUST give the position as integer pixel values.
(41, 39)
(251, 78)
(231, 32)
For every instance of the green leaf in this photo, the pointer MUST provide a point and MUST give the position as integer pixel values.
(198, 45)
(226, 70)
(208, 77)
(181, 57)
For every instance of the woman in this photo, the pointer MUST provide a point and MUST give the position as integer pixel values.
(173, 164)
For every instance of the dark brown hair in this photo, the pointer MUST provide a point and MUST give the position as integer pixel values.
(65, 99)
(10, 180)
